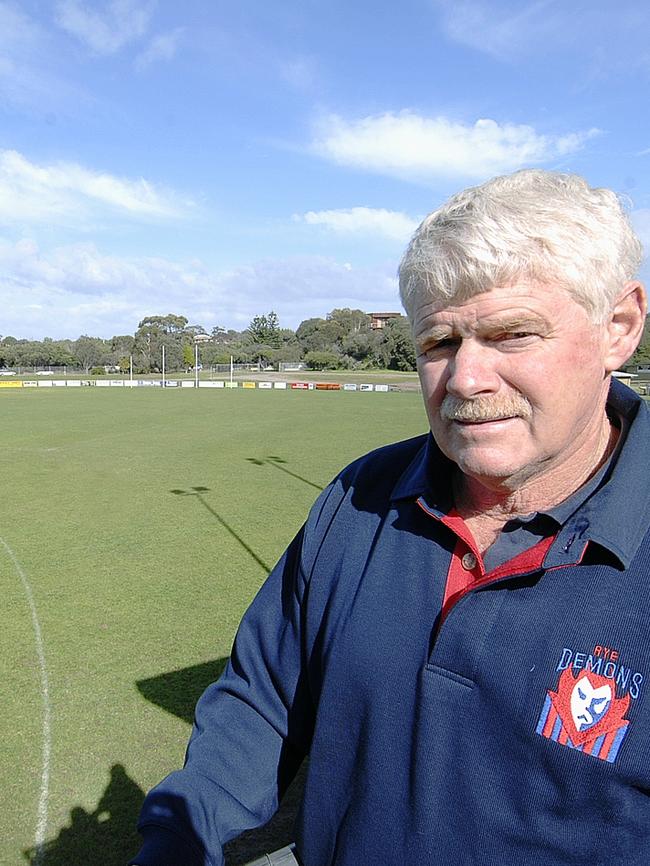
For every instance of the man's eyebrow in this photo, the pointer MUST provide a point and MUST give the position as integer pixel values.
(434, 334)
(523, 322)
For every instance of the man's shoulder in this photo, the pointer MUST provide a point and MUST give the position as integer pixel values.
(361, 495)
(376, 475)
(387, 463)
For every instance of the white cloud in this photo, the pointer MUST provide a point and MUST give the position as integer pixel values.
(16, 29)
(413, 147)
(610, 41)
(105, 32)
(379, 222)
(500, 29)
(28, 78)
(36, 193)
(162, 47)
(77, 289)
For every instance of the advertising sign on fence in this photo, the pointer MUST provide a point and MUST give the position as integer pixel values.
(190, 383)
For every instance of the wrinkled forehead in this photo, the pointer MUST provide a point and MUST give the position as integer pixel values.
(518, 303)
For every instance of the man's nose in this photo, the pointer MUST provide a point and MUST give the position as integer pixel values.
(472, 370)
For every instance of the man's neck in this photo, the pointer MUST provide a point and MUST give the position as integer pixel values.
(487, 507)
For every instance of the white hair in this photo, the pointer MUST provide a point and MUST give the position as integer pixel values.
(533, 225)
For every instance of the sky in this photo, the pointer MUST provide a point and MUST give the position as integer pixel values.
(220, 160)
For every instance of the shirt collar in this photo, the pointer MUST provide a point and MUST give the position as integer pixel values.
(616, 516)
(429, 462)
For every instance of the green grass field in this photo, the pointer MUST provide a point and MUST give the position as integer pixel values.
(140, 524)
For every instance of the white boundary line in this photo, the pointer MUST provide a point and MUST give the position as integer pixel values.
(41, 819)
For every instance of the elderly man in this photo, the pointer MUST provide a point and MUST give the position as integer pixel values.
(458, 637)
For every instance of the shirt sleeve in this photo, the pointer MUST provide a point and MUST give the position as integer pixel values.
(252, 729)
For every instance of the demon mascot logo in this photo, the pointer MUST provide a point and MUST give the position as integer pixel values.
(584, 713)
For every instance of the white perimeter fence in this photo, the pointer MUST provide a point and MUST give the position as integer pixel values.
(189, 383)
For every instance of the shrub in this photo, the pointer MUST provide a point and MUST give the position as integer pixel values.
(323, 360)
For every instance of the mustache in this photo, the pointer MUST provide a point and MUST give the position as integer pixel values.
(491, 408)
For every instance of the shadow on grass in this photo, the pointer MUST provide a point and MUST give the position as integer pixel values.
(197, 493)
(177, 692)
(277, 463)
(104, 837)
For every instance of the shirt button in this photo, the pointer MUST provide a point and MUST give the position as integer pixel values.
(468, 561)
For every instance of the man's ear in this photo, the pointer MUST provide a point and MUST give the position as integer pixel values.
(625, 325)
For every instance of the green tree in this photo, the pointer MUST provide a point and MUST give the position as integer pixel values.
(153, 333)
(121, 346)
(188, 355)
(351, 321)
(398, 344)
(316, 335)
(360, 347)
(323, 360)
(88, 351)
(265, 330)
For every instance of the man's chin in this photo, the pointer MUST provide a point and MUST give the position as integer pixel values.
(490, 469)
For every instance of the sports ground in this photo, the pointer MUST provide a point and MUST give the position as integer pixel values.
(136, 527)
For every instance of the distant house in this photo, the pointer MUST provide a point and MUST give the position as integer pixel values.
(378, 320)
(202, 338)
(625, 378)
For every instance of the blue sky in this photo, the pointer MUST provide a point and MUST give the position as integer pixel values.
(218, 160)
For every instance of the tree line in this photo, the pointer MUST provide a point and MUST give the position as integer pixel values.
(343, 339)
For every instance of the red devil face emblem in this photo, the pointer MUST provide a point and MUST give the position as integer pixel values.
(587, 705)
(584, 713)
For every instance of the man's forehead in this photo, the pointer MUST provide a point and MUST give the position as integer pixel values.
(521, 303)
(455, 320)
(506, 320)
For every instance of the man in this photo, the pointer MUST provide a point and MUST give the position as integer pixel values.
(458, 637)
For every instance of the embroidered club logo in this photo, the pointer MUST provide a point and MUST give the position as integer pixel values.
(585, 714)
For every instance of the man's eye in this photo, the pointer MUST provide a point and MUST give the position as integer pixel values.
(513, 336)
(438, 346)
